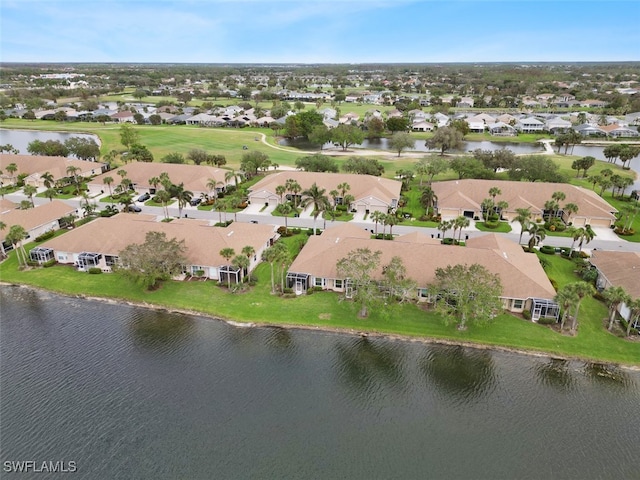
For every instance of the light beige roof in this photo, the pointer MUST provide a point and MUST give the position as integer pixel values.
(622, 269)
(362, 186)
(463, 193)
(110, 236)
(194, 177)
(57, 166)
(36, 217)
(520, 273)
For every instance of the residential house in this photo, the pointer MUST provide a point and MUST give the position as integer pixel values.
(99, 243)
(35, 221)
(525, 284)
(35, 165)
(529, 125)
(124, 116)
(193, 177)
(501, 129)
(370, 193)
(557, 125)
(464, 197)
(618, 269)
(617, 131)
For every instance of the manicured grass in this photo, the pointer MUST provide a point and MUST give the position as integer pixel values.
(503, 227)
(326, 310)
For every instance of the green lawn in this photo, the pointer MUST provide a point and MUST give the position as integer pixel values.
(503, 227)
(326, 310)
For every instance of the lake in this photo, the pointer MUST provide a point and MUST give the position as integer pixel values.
(127, 392)
(20, 139)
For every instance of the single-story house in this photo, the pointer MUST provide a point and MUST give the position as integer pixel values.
(370, 193)
(422, 126)
(35, 221)
(525, 284)
(615, 130)
(501, 129)
(193, 177)
(464, 197)
(35, 165)
(618, 269)
(98, 243)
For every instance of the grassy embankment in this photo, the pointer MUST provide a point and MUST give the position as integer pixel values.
(325, 310)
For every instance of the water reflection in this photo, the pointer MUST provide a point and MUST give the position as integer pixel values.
(556, 373)
(609, 376)
(465, 374)
(159, 330)
(280, 340)
(365, 365)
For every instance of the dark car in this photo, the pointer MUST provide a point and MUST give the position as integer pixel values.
(195, 202)
(144, 197)
(133, 208)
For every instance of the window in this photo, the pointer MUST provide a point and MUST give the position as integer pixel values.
(337, 283)
(518, 304)
(110, 260)
(423, 293)
(319, 282)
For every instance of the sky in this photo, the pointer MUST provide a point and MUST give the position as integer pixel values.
(329, 31)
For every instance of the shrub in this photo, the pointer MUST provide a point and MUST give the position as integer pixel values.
(526, 314)
(492, 224)
(547, 321)
(31, 263)
(45, 236)
(95, 271)
(548, 250)
(554, 284)
(447, 241)
(49, 263)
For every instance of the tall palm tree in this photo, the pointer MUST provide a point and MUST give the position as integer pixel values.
(280, 191)
(444, 226)
(30, 191)
(523, 217)
(183, 197)
(581, 289)
(494, 192)
(47, 179)
(16, 236)
(537, 233)
(487, 207)
(164, 198)
(212, 185)
(294, 188)
(391, 220)
(566, 298)
(108, 181)
(613, 297)
(12, 168)
(343, 187)
(422, 167)
(73, 173)
(334, 196)
(501, 206)
(461, 222)
(227, 253)
(270, 255)
(377, 216)
(248, 251)
(285, 210)
(154, 182)
(570, 209)
(315, 196)
(242, 263)
(428, 198)
(586, 235)
(232, 175)
(634, 314)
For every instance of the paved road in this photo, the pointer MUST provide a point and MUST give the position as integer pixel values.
(307, 222)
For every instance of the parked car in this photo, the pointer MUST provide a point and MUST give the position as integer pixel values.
(144, 197)
(195, 202)
(133, 208)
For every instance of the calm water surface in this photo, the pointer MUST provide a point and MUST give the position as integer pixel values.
(20, 139)
(127, 392)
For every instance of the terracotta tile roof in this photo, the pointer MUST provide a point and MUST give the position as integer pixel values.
(467, 193)
(36, 217)
(57, 166)
(362, 186)
(194, 177)
(520, 272)
(111, 235)
(622, 269)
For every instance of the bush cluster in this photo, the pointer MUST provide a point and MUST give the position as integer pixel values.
(95, 271)
(45, 236)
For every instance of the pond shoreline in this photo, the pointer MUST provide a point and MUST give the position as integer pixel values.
(326, 329)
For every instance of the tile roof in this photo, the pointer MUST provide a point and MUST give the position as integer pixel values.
(36, 217)
(622, 269)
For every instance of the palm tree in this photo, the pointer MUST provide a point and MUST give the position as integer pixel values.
(280, 191)
(343, 187)
(30, 191)
(242, 263)
(183, 196)
(428, 198)
(391, 220)
(108, 181)
(487, 206)
(523, 217)
(460, 223)
(295, 188)
(537, 233)
(494, 192)
(422, 167)
(377, 216)
(270, 255)
(125, 199)
(232, 175)
(212, 183)
(501, 206)
(16, 235)
(285, 210)
(585, 236)
(122, 172)
(12, 168)
(613, 297)
(164, 198)
(227, 253)
(634, 314)
(248, 251)
(73, 173)
(444, 226)
(566, 298)
(47, 179)
(315, 196)
(581, 289)
(570, 209)
(334, 196)
(154, 182)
